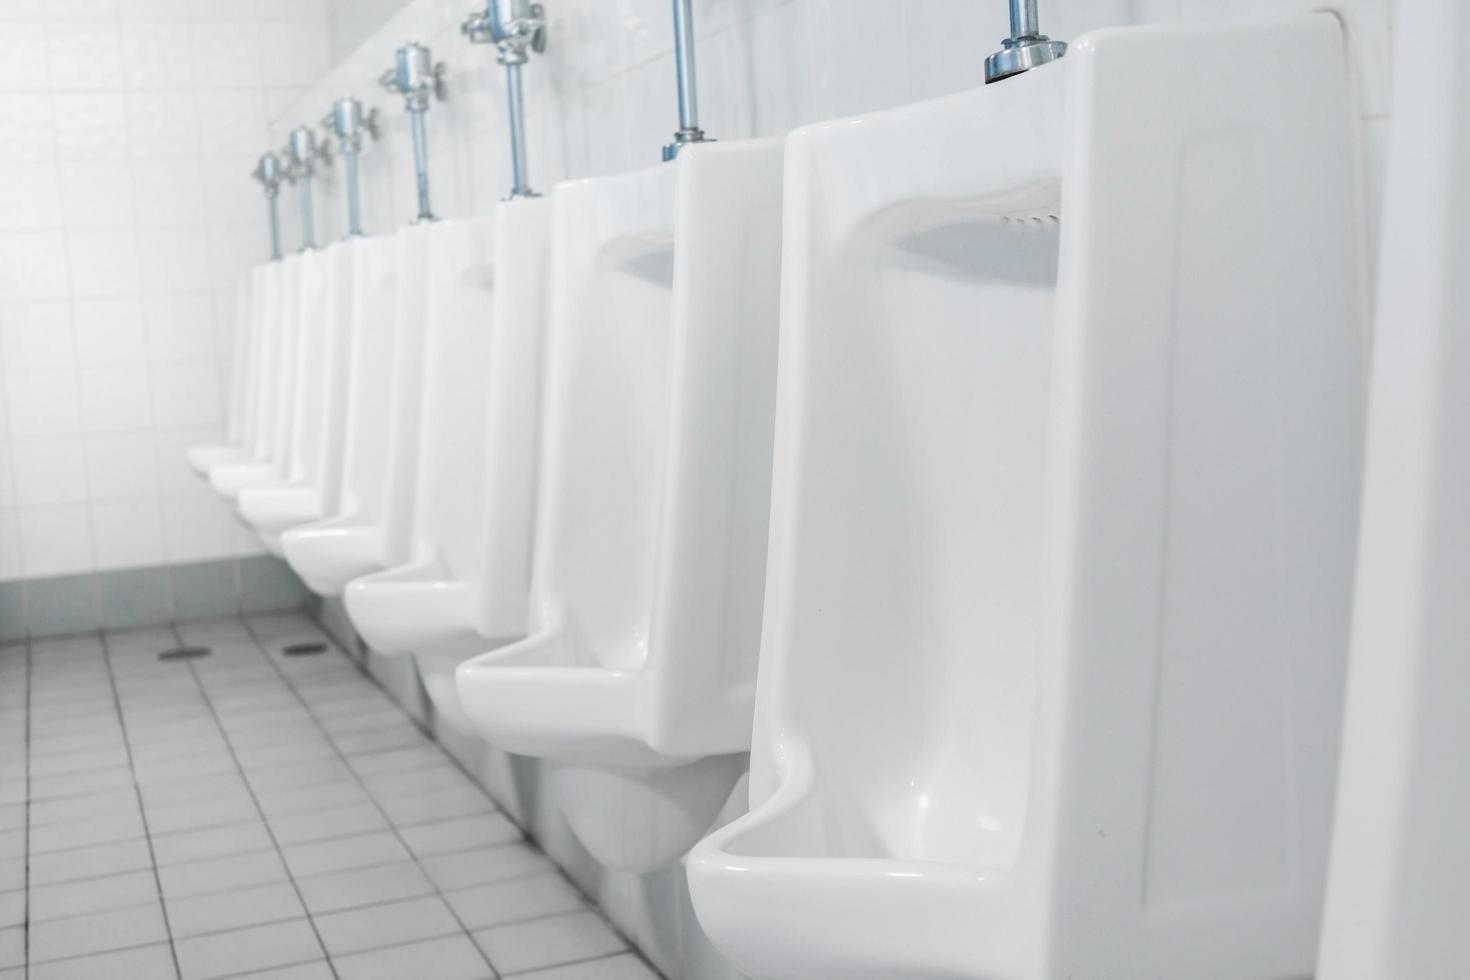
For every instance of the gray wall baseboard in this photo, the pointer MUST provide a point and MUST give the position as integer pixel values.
(151, 596)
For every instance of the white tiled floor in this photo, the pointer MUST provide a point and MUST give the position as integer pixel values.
(252, 814)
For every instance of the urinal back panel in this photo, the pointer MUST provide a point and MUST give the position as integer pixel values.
(459, 329)
(370, 378)
(915, 363)
(1210, 421)
(405, 393)
(326, 466)
(607, 407)
(288, 354)
(513, 421)
(311, 384)
(273, 333)
(1059, 589)
(242, 347)
(1398, 890)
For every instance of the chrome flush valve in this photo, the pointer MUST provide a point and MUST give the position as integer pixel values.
(420, 81)
(1026, 48)
(303, 152)
(415, 76)
(269, 172)
(350, 124)
(515, 27)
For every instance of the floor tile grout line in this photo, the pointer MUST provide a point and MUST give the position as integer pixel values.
(138, 792)
(361, 666)
(255, 802)
(360, 663)
(630, 950)
(26, 938)
(397, 834)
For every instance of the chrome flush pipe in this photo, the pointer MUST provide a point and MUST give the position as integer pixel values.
(350, 124)
(268, 171)
(420, 81)
(1026, 48)
(303, 151)
(689, 131)
(516, 28)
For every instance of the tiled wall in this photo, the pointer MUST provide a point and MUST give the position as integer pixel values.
(601, 101)
(127, 128)
(351, 22)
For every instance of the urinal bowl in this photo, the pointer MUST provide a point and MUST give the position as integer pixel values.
(274, 509)
(387, 313)
(790, 905)
(464, 591)
(228, 479)
(634, 802)
(205, 458)
(635, 682)
(1062, 526)
(329, 554)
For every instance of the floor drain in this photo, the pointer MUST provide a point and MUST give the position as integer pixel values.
(185, 653)
(304, 649)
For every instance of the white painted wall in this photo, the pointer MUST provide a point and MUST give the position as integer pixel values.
(127, 128)
(351, 22)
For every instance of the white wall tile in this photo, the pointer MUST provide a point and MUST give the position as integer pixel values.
(163, 124)
(84, 55)
(155, 54)
(30, 196)
(11, 567)
(198, 527)
(109, 331)
(127, 131)
(120, 467)
(233, 121)
(104, 263)
(36, 336)
(173, 259)
(33, 266)
(43, 403)
(114, 399)
(185, 394)
(7, 478)
(169, 191)
(49, 471)
(27, 126)
(24, 68)
(226, 55)
(96, 193)
(179, 327)
(55, 541)
(91, 125)
(128, 533)
(172, 471)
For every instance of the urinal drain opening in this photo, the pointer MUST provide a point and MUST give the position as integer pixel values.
(304, 649)
(185, 653)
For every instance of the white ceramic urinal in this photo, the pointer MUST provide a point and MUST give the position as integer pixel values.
(383, 388)
(1065, 494)
(464, 587)
(244, 378)
(314, 474)
(277, 413)
(636, 682)
(1399, 894)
